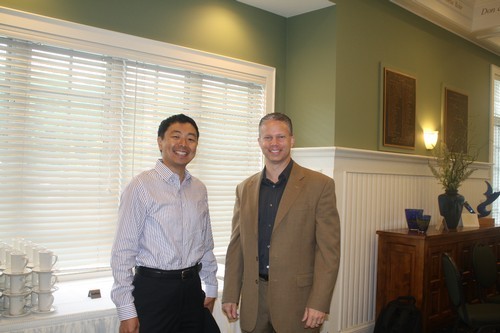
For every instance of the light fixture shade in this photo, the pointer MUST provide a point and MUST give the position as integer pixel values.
(430, 139)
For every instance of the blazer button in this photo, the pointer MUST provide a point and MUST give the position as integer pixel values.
(256, 281)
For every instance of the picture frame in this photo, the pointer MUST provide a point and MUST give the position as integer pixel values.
(399, 110)
(455, 120)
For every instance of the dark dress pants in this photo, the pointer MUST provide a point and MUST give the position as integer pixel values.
(169, 305)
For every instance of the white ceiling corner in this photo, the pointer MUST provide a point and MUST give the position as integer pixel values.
(475, 20)
(288, 8)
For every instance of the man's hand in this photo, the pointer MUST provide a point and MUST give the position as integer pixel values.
(230, 310)
(209, 303)
(129, 326)
(313, 318)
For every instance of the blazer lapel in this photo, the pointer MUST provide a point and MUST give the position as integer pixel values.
(253, 191)
(292, 191)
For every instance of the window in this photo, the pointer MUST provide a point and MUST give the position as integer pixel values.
(79, 119)
(495, 83)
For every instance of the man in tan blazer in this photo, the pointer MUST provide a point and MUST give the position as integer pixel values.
(283, 257)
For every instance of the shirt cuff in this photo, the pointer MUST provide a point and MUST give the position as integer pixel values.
(211, 291)
(126, 312)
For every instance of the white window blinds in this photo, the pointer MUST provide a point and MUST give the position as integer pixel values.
(77, 126)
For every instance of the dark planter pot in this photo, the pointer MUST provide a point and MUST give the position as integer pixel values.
(451, 204)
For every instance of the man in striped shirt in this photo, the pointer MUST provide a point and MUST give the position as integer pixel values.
(164, 236)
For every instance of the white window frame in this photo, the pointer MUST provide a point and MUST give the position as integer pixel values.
(61, 33)
(86, 38)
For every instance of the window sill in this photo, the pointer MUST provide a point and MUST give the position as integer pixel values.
(71, 304)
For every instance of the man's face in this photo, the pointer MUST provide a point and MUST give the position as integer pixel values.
(178, 146)
(275, 141)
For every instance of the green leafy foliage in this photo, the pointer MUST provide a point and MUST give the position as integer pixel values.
(451, 168)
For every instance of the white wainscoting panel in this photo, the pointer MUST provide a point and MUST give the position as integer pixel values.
(373, 188)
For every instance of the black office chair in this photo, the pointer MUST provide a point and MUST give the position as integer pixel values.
(484, 264)
(477, 317)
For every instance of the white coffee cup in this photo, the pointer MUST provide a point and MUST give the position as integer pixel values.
(35, 254)
(46, 260)
(17, 304)
(8, 252)
(34, 298)
(6, 302)
(18, 262)
(46, 280)
(3, 278)
(22, 244)
(17, 284)
(45, 301)
(16, 243)
(28, 250)
(3, 256)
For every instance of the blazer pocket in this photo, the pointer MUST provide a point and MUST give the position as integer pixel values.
(304, 280)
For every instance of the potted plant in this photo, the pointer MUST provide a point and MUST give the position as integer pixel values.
(451, 167)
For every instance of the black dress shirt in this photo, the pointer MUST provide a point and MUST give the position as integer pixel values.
(269, 199)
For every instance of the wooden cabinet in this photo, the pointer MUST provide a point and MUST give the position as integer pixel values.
(409, 263)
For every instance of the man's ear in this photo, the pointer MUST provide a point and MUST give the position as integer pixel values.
(159, 139)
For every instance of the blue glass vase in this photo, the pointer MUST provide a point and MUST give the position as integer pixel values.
(451, 204)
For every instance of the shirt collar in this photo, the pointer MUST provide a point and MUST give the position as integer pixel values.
(284, 175)
(167, 174)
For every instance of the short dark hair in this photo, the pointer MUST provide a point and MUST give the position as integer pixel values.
(279, 117)
(177, 118)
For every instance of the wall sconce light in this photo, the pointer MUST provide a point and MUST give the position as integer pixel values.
(430, 139)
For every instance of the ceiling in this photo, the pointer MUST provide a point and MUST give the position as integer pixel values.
(475, 20)
(288, 8)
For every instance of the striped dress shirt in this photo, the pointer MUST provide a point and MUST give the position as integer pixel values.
(163, 224)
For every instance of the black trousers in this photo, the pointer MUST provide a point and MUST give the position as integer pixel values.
(169, 305)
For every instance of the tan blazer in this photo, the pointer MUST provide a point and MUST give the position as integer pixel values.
(304, 254)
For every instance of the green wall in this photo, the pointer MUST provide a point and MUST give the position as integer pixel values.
(310, 77)
(374, 32)
(327, 61)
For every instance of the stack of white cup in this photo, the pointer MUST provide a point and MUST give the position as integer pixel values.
(4, 249)
(44, 281)
(16, 293)
(27, 279)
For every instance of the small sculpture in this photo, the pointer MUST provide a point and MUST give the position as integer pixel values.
(490, 197)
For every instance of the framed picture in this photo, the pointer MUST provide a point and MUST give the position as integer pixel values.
(455, 120)
(399, 110)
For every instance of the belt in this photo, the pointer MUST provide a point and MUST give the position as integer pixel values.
(264, 277)
(178, 274)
